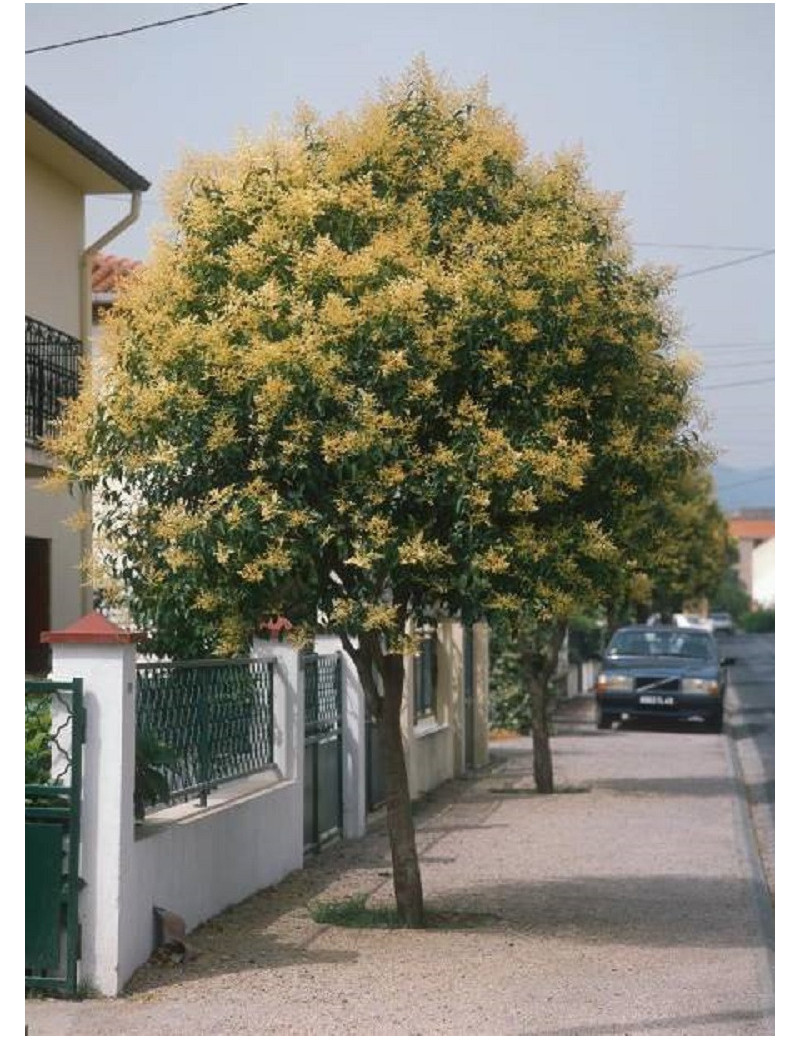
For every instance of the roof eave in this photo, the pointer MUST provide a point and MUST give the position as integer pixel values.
(65, 130)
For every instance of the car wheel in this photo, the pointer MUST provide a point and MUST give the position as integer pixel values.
(715, 723)
(603, 720)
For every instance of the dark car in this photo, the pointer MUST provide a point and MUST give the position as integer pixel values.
(662, 672)
(721, 621)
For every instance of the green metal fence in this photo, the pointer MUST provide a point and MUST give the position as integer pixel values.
(323, 773)
(376, 771)
(55, 729)
(200, 723)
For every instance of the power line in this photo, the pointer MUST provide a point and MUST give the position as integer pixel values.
(740, 364)
(727, 263)
(135, 29)
(747, 382)
(741, 483)
(732, 346)
(675, 245)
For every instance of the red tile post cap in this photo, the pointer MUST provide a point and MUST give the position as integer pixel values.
(91, 628)
(277, 627)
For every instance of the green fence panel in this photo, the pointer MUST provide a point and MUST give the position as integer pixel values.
(54, 734)
(200, 723)
(323, 767)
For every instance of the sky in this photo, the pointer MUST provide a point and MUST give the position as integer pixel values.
(672, 104)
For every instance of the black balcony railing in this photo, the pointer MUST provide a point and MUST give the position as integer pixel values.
(52, 375)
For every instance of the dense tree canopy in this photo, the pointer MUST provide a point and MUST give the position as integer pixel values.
(381, 365)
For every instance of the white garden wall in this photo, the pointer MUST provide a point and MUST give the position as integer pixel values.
(197, 861)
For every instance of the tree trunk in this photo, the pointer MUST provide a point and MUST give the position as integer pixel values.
(370, 660)
(539, 649)
(540, 732)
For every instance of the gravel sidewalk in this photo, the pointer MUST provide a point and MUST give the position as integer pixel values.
(625, 904)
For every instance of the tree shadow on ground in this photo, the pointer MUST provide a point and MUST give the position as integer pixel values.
(652, 911)
(733, 1022)
(676, 786)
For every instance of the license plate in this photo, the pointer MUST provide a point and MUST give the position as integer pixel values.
(656, 698)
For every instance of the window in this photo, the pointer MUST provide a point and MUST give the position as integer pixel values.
(425, 676)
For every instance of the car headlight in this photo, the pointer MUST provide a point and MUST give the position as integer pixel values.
(614, 683)
(700, 686)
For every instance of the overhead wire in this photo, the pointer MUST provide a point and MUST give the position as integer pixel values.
(134, 29)
(731, 346)
(751, 480)
(694, 245)
(727, 263)
(739, 364)
(747, 382)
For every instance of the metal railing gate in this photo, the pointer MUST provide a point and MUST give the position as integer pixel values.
(55, 728)
(323, 773)
(376, 773)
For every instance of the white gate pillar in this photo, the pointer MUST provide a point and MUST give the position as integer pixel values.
(104, 656)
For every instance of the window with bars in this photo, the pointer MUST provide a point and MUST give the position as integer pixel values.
(425, 674)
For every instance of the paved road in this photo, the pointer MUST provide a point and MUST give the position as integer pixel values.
(751, 728)
(628, 903)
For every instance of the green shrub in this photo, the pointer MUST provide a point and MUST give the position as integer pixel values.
(509, 707)
(37, 742)
(586, 640)
(759, 621)
(153, 760)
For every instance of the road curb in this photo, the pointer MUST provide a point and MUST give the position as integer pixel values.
(762, 896)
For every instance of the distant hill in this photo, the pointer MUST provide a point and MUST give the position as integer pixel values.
(745, 488)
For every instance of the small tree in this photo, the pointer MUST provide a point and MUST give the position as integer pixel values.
(290, 419)
(601, 400)
(361, 381)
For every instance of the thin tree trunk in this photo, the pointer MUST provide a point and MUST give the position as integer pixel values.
(540, 732)
(538, 658)
(370, 660)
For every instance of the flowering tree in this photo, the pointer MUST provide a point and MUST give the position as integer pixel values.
(346, 389)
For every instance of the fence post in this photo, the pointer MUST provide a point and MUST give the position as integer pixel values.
(287, 705)
(288, 722)
(451, 687)
(481, 665)
(104, 656)
(354, 736)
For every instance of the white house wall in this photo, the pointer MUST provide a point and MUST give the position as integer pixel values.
(54, 229)
(45, 516)
(763, 569)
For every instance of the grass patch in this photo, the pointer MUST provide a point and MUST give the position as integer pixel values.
(353, 912)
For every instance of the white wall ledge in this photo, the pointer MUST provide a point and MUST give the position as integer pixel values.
(225, 796)
(429, 727)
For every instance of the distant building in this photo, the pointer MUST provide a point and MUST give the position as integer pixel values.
(754, 533)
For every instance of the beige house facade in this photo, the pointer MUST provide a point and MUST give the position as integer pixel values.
(64, 165)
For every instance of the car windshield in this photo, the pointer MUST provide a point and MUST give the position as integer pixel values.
(677, 643)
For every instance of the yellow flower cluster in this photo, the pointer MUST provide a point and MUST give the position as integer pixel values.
(420, 550)
(175, 522)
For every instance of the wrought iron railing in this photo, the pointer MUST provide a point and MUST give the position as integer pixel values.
(323, 692)
(200, 723)
(52, 375)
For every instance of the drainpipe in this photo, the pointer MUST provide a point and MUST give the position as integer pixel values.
(86, 337)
